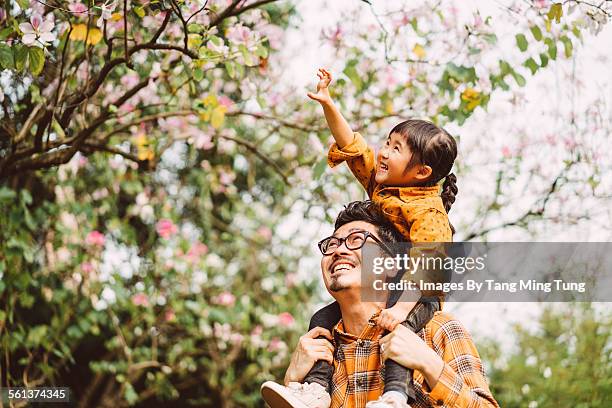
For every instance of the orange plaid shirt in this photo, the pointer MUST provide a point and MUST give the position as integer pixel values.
(357, 376)
(417, 212)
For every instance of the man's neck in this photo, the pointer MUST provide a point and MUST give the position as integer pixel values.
(356, 314)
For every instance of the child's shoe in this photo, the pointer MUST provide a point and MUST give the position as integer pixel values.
(296, 395)
(391, 399)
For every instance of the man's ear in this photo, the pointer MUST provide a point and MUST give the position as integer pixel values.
(424, 172)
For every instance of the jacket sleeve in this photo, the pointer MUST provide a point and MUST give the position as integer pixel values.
(360, 159)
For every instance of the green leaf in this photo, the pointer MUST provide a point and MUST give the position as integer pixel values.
(6, 194)
(198, 74)
(555, 12)
(552, 48)
(319, 168)
(490, 38)
(6, 57)
(58, 128)
(215, 40)
(532, 65)
(521, 42)
(536, 32)
(543, 60)
(140, 12)
(37, 60)
(21, 57)
(23, 4)
(351, 72)
(568, 47)
(5, 32)
(520, 80)
(239, 70)
(229, 66)
(261, 51)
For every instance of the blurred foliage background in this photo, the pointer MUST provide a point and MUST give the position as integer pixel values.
(163, 180)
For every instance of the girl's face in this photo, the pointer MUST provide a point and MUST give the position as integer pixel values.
(393, 158)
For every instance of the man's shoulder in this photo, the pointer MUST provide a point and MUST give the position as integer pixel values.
(445, 325)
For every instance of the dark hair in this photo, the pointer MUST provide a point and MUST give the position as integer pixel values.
(435, 147)
(369, 212)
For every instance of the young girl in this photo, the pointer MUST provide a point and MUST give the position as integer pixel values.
(403, 181)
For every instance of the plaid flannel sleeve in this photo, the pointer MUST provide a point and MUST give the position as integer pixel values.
(462, 382)
(360, 159)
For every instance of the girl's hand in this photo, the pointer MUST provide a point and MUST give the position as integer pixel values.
(390, 318)
(322, 95)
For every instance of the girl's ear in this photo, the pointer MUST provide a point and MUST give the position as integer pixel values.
(424, 172)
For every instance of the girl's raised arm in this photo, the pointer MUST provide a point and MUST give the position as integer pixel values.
(340, 129)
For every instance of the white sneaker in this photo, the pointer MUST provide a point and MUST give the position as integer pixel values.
(296, 395)
(391, 399)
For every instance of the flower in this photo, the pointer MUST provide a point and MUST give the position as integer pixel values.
(77, 8)
(285, 319)
(264, 232)
(224, 299)
(87, 268)
(37, 32)
(196, 251)
(140, 299)
(276, 344)
(166, 228)
(107, 12)
(95, 238)
(169, 315)
(506, 152)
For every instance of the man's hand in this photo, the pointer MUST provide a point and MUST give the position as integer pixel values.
(409, 350)
(309, 350)
(391, 317)
(322, 95)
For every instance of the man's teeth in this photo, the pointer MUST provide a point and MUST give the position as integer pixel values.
(341, 267)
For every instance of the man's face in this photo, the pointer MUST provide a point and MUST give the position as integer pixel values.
(342, 268)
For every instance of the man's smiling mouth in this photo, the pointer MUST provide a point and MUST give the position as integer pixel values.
(340, 266)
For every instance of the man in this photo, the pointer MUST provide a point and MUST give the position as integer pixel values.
(447, 368)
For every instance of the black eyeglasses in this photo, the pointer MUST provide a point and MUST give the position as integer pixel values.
(354, 240)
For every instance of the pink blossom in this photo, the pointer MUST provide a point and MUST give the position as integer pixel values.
(506, 152)
(291, 279)
(140, 299)
(257, 330)
(196, 251)
(203, 141)
(130, 80)
(240, 34)
(224, 299)
(264, 232)
(95, 238)
(87, 268)
(276, 344)
(169, 315)
(166, 228)
(37, 32)
(107, 11)
(226, 177)
(77, 8)
(285, 319)
(225, 101)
